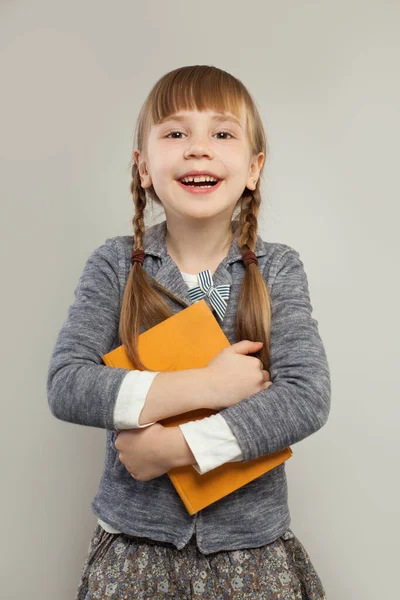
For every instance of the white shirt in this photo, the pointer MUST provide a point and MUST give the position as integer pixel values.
(210, 439)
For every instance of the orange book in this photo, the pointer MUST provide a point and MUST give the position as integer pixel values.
(190, 339)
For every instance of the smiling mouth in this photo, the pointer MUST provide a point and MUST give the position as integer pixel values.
(200, 188)
(199, 183)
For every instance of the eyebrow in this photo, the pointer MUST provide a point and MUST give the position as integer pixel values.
(218, 117)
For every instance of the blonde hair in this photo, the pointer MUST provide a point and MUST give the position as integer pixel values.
(198, 87)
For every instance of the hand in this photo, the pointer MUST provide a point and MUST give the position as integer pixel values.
(143, 452)
(234, 376)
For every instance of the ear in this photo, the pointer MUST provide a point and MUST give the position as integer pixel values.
(254, 171)
(145, 177)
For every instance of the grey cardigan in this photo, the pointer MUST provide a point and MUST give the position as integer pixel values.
(82, 390)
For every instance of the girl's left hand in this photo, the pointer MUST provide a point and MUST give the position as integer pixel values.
(143, 452)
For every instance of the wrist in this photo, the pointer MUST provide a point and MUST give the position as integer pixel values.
(207, 391)
(177, 448)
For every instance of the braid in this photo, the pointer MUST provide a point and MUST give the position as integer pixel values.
(139, 201)
(248, 222)
(253, 316)
(142, 306)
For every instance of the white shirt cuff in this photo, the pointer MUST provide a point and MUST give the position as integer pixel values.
(131, 399)
(212, 442)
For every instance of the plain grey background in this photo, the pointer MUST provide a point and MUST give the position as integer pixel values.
(325, 78)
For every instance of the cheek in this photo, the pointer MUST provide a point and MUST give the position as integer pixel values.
(236, 171)
(235, 162)
(164, 167)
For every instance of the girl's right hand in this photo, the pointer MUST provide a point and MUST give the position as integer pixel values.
(234, 376)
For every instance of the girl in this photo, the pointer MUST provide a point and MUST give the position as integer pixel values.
(199, 153)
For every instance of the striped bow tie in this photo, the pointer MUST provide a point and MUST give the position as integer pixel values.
(217, 294)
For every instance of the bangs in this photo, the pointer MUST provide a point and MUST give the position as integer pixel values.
(197, 88)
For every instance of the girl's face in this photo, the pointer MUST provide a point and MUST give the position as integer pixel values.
(201, 141)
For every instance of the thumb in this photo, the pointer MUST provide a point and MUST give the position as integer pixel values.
(246, 347)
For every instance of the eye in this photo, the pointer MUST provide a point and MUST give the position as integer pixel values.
(226, 132)
(172, 132)
(176, 131)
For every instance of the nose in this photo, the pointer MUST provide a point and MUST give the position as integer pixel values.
(198, 147)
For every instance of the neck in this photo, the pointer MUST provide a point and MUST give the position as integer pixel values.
(195, 247)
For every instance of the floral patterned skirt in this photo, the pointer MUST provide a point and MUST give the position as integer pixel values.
(122, 567)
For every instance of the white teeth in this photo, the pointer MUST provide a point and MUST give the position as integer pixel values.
(200, 178)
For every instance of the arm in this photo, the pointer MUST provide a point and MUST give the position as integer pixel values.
(139, 399)
(204, 443)
(175, 392)
(80, 388)
(298, 402)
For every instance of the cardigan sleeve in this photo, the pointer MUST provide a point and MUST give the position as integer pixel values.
(297, 403)
(80, 388)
